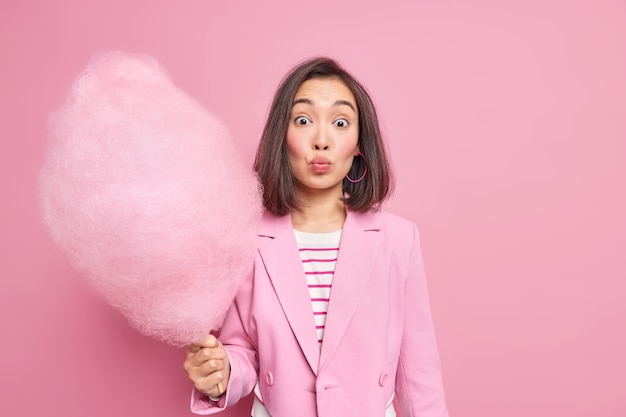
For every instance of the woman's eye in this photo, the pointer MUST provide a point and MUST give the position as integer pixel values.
(303, 121)
(341, 123)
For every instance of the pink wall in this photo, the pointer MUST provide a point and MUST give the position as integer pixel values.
(506, 123)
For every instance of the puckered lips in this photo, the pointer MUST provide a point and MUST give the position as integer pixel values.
(320, 165)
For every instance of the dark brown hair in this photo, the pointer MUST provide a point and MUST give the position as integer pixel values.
(272, 162)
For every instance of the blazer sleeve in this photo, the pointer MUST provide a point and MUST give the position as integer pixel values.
(419, 383)
(241, 352)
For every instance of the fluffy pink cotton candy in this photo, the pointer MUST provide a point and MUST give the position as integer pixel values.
(144, 191)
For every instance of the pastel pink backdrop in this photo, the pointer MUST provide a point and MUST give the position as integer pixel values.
(505, 121)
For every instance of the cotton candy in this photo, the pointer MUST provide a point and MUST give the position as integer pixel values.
(144, 192)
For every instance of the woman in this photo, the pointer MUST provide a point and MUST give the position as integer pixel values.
(335, 319)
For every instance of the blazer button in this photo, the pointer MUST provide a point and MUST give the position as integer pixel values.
(269, 378)
(383, 379)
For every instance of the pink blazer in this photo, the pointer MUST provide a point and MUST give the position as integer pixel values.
(378, 340)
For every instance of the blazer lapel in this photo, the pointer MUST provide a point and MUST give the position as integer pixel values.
(282, 261)
(360, 243)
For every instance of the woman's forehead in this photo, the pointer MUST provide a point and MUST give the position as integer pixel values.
(324, 91)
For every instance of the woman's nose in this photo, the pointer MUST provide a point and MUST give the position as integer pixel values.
(321, 140)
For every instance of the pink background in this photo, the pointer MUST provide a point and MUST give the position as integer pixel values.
(506, 124)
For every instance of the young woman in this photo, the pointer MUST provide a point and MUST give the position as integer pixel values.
(335, 319)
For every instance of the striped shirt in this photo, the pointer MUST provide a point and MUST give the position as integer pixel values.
(318, 252)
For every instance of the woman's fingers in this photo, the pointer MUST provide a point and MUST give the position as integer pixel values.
(212, 348)
(207, 366)
(213, 384)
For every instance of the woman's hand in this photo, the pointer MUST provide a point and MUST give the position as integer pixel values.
(207, 366)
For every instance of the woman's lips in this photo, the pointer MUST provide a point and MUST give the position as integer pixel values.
(320, 165)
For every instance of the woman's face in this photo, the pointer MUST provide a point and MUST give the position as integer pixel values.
(322, 136)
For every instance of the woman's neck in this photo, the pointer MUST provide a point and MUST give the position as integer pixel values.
(319, 216)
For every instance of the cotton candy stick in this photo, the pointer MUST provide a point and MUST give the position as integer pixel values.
(144, 192)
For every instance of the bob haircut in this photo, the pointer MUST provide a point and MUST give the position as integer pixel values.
(272, 164)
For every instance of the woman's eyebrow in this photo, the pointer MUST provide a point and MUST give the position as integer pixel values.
(302, 100)
(336, 103)
(344, 103)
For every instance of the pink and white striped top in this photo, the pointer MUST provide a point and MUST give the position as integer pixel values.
(318, 252)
